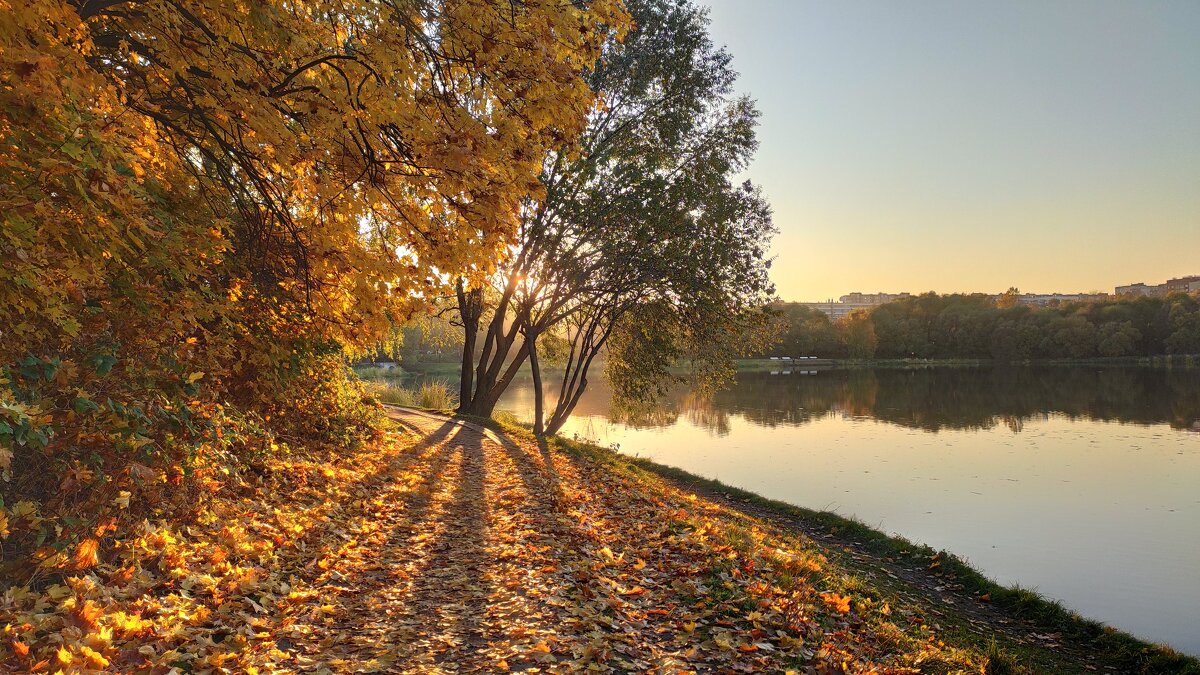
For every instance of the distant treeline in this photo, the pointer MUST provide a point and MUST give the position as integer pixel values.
(932, 326)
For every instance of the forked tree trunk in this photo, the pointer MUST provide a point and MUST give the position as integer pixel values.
(491, 376)
(575, 379)
(489, 389)
(562, 411)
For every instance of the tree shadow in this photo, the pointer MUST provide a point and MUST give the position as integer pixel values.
(364, 624)
(542, 483)
(432, 438)
(449, 596)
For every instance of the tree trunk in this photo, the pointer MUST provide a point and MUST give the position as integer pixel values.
(563, 412)
(538, 396)
(469, 309)
(495, 350)
(485, 378)
(487, 374)
(590, 341)
(486, 398)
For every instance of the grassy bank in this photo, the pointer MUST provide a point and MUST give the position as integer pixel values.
(1019, 629)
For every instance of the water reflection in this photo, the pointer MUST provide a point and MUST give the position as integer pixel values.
(931, 399)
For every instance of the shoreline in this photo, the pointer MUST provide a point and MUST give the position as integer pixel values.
(1160, 361)
(1036, 631)
(438, 369)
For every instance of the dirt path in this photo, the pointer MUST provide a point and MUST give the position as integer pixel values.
(444, 584)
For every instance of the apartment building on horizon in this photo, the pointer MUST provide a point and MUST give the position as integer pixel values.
(851, 302)
(1188, 284)
(1044, 299)
(872, 298)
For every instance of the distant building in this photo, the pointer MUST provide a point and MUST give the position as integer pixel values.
(872, 298)
(852, 302)
(1135, 289)
(1189, 284)
(837, 310)
(1182, 284)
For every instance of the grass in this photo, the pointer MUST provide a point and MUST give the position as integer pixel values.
(431, 395)
(1108, 646)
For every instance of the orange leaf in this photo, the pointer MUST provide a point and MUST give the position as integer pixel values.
(841, 603)
(88, 614)
(86, 554)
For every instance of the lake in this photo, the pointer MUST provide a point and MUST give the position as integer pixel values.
(1081, 483)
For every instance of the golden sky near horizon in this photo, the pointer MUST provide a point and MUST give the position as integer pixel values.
(964, 146)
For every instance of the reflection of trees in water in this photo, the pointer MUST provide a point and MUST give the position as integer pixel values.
(702, 410)
(699, 408)
(942, 398)
(643, 415)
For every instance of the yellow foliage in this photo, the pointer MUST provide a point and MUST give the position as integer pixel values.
(206, 204)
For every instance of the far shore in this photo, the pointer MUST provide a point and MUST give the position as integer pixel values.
(450, 369)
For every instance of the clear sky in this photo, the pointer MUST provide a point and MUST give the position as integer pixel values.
(958, 145)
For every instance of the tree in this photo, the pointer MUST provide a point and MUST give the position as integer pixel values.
(972, 326)
(1071, 336)
(859, 334)
(1015, 337)
(325, 158)
(1009, 299)
(802, 331)
(1117, 338)
(205, 204)
(1184, 317)
(643, 223)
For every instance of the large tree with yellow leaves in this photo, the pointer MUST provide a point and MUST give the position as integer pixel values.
(201, 198)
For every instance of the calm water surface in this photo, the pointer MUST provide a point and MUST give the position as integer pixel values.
(1082, 483)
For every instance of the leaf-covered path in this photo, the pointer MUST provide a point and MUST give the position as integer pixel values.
(480, 554)
(451, 575)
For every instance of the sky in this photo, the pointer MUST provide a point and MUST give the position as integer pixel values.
(959, 146)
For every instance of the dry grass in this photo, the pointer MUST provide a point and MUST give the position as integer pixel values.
(432, 395)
